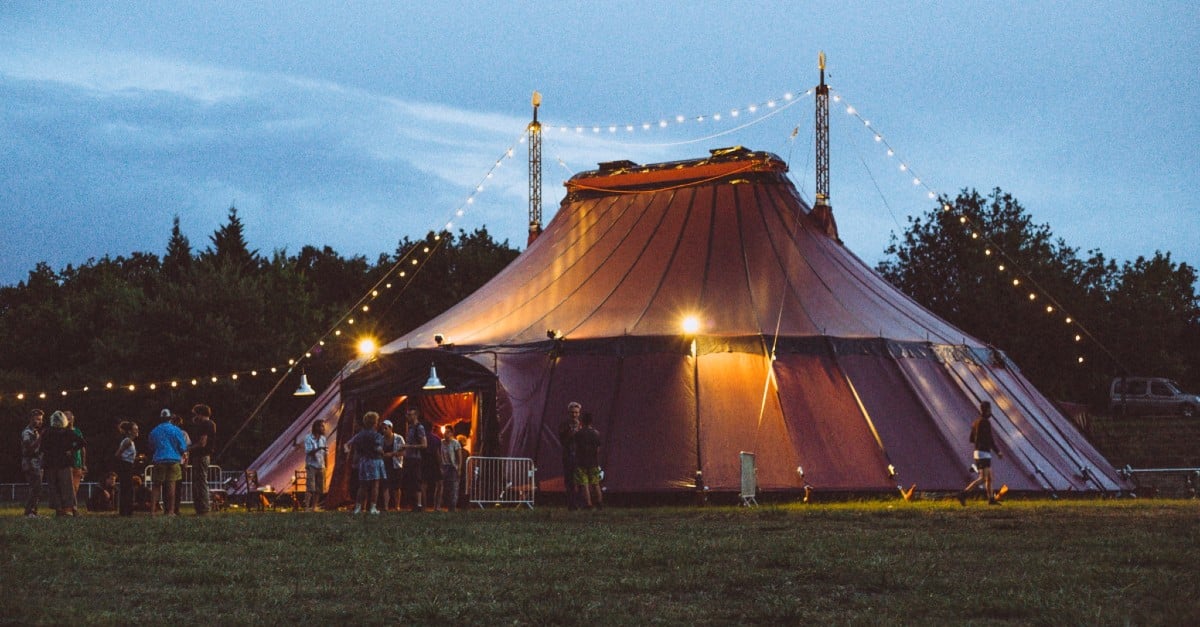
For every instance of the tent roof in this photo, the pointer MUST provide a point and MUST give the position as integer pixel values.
(635, 248)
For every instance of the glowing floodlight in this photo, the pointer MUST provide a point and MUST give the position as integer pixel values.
(367, 347)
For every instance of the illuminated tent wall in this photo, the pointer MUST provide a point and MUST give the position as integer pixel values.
(805, 356)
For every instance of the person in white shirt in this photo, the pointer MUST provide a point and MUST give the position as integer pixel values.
(315, 447)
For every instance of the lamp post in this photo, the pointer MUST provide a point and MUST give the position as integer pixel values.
(691, 326)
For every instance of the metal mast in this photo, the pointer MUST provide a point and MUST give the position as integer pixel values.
(823, 212)
(535, 172)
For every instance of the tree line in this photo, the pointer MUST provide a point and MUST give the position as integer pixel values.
(1138, 317)
(201, 313)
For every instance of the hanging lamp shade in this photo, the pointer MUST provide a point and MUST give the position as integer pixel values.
(433, 383)
(305, 389)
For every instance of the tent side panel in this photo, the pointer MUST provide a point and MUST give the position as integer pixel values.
(914, 443)
(736, 417)
(953, 408)
(1071, 438)
(651, 443)
(828, 431)
(524, 378)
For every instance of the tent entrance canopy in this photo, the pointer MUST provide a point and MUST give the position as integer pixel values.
(391, 382)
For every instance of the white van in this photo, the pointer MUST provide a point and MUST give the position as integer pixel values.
(1150, 395)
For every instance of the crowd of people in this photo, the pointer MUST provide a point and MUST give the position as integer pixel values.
(392, 471)
(57, 455)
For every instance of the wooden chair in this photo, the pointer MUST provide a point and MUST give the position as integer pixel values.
(257, 495)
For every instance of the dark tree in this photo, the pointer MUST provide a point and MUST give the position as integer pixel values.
(229, 247)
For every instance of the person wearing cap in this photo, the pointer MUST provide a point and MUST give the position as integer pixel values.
(315, 449)
(202, 431)
(985, 446)
(169, 444)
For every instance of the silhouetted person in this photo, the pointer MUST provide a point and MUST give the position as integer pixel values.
(985, 445)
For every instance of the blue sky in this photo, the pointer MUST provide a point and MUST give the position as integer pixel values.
(356, 125)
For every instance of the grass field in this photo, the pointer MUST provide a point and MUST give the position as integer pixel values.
(1026, 562)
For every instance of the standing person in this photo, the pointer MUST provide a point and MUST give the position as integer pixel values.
(177, 420)
(367, 448)
(566, 437)
(79, 461)
(415, 443)
(126, 454)
(31, 460)
(451, 469)
(985, 445)
(315, 448)
(203, 433)
(431, 465)
(169, 443)
(393, 463)
(58, 447)
(587, 456)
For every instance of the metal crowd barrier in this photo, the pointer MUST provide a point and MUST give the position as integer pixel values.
(217, 481)
(501, 481)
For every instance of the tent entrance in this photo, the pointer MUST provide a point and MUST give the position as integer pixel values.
(450, 413)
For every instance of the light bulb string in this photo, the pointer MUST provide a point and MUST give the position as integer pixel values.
(773, 112)
(771, 106)
(974, 228)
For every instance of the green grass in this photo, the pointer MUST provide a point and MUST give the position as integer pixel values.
(1027, 562)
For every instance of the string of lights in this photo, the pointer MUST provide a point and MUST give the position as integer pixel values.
(1005, 263)
(395, 280)
(763, 109)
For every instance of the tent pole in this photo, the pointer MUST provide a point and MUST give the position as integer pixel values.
(696, 386)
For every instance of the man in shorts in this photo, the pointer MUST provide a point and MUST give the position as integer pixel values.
(587, 458)
(169, 443)
(985, 446)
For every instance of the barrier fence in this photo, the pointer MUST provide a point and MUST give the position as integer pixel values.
(501, 481)
(218, 482)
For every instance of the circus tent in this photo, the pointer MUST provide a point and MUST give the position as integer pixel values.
(802, 354)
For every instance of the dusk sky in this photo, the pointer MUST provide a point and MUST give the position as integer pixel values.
(354, 125)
